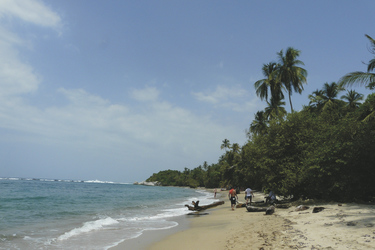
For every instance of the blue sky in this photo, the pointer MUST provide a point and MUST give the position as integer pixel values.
(119, 90)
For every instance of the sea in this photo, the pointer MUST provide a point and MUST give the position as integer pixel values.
(65, 214)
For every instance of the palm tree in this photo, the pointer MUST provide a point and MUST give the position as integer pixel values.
(270, 83)
(353, 98)
(316, 99)
(205, 165)
(275, 109)
(290, 74)
(330, 93)
(259, 124)
(359, 77)
(236, 148)
(225, 145)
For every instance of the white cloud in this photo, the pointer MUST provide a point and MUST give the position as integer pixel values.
(146, 94)
(8, 38)
(221, 94)
(89, 122)
(233, 98)
(80, 97)
(16, 77)
(31, 11)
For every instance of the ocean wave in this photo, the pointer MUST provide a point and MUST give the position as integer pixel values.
(98, 181)
(88, 227)
(59, 180)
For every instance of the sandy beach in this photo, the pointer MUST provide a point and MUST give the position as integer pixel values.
(338, 226)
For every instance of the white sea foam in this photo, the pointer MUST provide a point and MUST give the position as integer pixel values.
(87, 227)
(98, 181)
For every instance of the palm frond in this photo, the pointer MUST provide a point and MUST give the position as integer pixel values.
(370, 117)
(357, 78)
(371, 65)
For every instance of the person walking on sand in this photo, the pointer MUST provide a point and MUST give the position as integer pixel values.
(232, 195)
(249, 195)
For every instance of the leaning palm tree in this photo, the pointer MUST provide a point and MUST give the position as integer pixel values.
(353, 99)
(259, 124)
(270, 83)
(366, 79)
(290, 73)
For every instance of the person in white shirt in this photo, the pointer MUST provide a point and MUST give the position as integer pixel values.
(249, 195)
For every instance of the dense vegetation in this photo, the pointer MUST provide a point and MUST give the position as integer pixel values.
(324, 151)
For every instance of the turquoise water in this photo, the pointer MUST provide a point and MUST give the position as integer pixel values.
(57, 214)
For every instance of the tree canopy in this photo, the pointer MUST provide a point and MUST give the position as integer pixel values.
(324, 151)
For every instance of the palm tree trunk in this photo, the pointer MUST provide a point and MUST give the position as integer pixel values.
(290, 101)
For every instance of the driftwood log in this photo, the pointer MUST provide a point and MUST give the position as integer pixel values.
(196, 206)
(256, 209)
(269, 210)
(318, 209)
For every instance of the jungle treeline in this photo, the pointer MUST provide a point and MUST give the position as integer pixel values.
(324, 151)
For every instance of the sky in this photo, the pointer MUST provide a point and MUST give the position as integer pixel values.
(119, 90)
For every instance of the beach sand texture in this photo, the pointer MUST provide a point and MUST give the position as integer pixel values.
(344, 226)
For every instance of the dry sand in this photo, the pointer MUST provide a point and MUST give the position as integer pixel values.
(349, 226)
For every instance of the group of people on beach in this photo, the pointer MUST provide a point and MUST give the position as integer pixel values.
(232, 195)
(249, 194)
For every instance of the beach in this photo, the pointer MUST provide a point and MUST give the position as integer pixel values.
(337, 226)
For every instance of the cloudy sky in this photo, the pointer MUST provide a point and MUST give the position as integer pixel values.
(118, 90)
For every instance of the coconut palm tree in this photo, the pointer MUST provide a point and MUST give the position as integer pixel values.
(360, 78)
(331, 91)
(353, 98)
(316, 99)
(259, 124)
(275, 109)
(236, 148)
(270, 84)
(290, 73)
(330, 94)
(225, 145)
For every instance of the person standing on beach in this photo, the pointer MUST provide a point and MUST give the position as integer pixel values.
(215, 193)
(249, 195)
(232, 195)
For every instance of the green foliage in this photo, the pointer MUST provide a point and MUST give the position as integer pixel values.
(325, 151)
(167, 178)
(324, 155)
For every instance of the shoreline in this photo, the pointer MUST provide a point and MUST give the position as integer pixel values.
(149, 237)
(337, 226)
